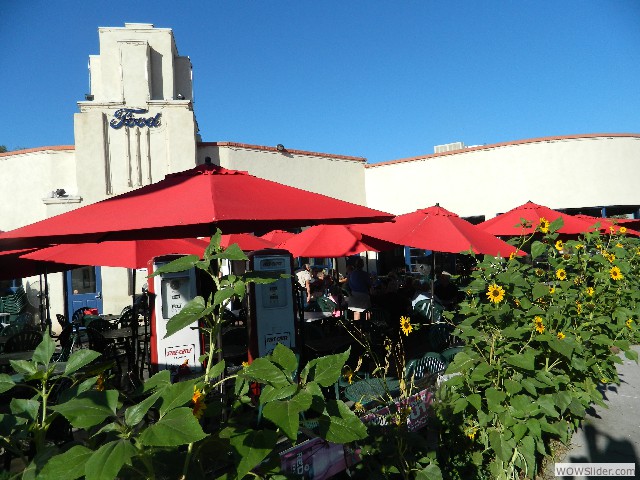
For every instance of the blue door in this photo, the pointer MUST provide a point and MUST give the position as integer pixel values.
(84, 289)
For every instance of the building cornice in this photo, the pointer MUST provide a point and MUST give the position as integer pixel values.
(506, 144)
(39, 149)
(275, 149)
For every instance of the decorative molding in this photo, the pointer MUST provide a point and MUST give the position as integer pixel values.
(62, 200)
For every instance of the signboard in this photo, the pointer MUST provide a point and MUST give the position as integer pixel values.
(417, 419)
(126, 117)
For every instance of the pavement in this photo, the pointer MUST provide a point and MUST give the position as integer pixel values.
(610, 435)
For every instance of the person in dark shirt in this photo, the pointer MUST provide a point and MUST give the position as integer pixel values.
(360, 286)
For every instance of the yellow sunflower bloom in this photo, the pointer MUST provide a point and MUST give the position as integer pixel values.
(407, 328)
(590, 291)
(544, 225)
(612, 229)
(579, 307)
(559, 245)
(615, 273)
(619, 245)
(539, 272)
(561, 274)
(198, 403)
(100, 383)
(358, 407)
(579, 246)
(512, 256)
(623, 230)
(245, 364)
(552, 290)
(628, 323)
(495, 293)
(561, 336)
(538, 325)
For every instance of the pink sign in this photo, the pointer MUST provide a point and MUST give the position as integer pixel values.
(317, 459)
(418, 418)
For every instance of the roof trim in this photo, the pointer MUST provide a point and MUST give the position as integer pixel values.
(274, 149)
(503, 144)
(38, 149)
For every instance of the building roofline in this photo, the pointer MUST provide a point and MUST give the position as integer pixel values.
(38, 149)
(275, 149)
(503, 144)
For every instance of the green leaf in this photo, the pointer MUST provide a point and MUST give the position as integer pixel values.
(540, 290)
(475, 400)
(181, 264)
(25, 408)
(528, 450)
(176, 395)
(547, 405)
(525, 360)
(579, 363)
(556, 225)
(285, 358)
(79, 359)
(342, 425)
(494, 399)
(160, 380)
(252, 448)
(286, 414)
(68, 465)
(134, 414)
(89, 409)
(24, 367)
(512, 387)
(537, 249)
(44, 351)
(178, 427)
(6, 383)
(480, 372)
(327, 370)
(631, 355)
(232, 252)
(269, 393)
(263, 371)
(222, 295)
(460, 405)
(499, 446)
(430, 472)
(193, 311)
(106, 462)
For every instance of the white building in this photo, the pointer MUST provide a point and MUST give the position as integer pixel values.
(138, 124)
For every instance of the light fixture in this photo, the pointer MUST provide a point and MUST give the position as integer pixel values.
(88, 97)
(180, 96)
(280, 147)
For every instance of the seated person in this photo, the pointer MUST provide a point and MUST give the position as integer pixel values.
(445, 291)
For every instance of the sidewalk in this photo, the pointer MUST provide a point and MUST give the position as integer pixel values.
(610, 435)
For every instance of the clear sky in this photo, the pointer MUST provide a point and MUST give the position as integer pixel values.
(377, 79)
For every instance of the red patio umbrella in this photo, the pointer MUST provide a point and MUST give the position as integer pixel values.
(509, 223)
(277, 236)
(438, 229)
(121, 253)
(246, 241)
(607, 223)
(332, 241)
(188, 204)
(12, 265)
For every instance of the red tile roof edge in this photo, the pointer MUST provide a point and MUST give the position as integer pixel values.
(274, 149)
(502, 144)
(38, 149)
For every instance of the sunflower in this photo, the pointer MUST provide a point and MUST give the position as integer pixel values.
(579, 307)
(552, 290)
(611, 257)
(619, 245)
(561, 274)
(544, 225)
(628, 323)
(471, 432)
(539, 272)
(623, 230)
(577, 281)
(358, 407)
(559, 245)
(561, 336)
(245, 364)
(495, 293)
(615, 273)
(348, 376)
(405, 325)
(538, 325)
(612, 229)
(100, 383)
(590, 291)
(198, 403)
(512, 256)
(579, 246)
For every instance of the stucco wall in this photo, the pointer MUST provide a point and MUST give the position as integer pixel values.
(335, 176)
(556, 172)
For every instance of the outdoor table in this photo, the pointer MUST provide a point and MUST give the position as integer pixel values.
(313, 316)
(6, 357)
(374, 389)
(126, 334)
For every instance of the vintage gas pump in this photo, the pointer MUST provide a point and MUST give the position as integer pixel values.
(271, 309)
(181, 351)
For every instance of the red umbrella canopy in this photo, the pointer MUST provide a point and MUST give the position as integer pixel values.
(189, 204)
(120, 253)
(13, 266)
(331, 241)
(509, 223)
(246, 241)
(438, 229)
(277, 236)
(606, 224)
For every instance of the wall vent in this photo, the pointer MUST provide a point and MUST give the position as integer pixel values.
(448, 147)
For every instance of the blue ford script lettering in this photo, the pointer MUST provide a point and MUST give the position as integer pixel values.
(124, 117)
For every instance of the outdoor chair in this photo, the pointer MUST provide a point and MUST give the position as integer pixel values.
(78, 315)
(440, 337)
(450, 353)
(23, 341)
(421, 369)
(109, 350)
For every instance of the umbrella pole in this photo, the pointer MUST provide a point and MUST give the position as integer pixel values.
(134, 324)
(41, 304)
(47, 310)
(433, 286)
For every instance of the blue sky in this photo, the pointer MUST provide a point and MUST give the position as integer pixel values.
(378, 79)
